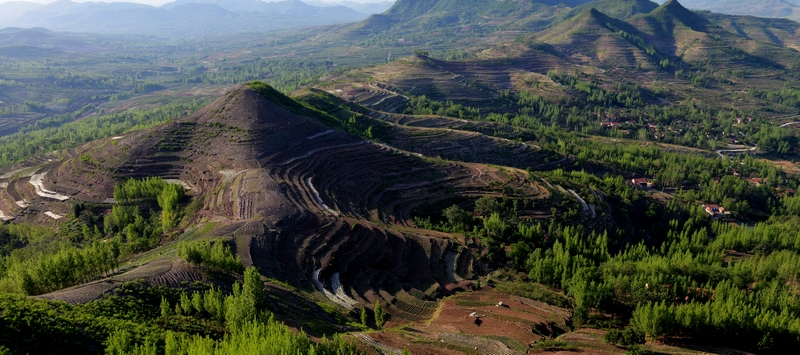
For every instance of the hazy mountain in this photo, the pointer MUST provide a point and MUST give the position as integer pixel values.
(13, 9)
(430, 14)
(778, 31)
(595, 34)
(364, 8)
(193, 17)
(287, 7)
(621, 9)
(231, 5)
(762, 8)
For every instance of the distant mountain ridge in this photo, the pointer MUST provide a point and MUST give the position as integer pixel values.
(364, 8)
(286, 7)
(671, 34)
(182, 17)
(762, 8)
(620, 9)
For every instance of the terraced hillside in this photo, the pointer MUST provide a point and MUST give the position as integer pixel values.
(474, 83)
(305, 202)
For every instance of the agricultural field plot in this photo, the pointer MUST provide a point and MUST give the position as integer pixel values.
(518, 319)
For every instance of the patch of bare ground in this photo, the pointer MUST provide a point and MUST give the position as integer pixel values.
(480, 314)
(785, 165)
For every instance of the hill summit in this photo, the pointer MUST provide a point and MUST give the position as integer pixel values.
(673, 12)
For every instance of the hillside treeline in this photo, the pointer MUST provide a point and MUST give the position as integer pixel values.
(144, 211)
(64, 268)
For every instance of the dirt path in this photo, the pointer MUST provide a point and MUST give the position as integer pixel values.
(37, 180)
(722, 152)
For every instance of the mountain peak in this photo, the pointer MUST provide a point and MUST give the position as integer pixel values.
(619, 9)
(674, 7)
(593, 15)
(672, 11)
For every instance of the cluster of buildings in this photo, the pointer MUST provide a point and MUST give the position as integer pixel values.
(714, 210)
(676, 127)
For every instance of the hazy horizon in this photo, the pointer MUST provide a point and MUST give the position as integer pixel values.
(162, 2)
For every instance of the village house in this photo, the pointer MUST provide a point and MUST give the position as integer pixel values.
(641, 183)
(755, 181)
(612, 124)
(714, 210)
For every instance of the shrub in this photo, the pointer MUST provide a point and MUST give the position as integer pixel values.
(626, 337)
(380, 315)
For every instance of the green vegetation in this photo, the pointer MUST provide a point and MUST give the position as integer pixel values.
(54, 271)
(141, 228)
(626, 337)
(89, 245)
(215, 255)
(59, 132)
(137, 320)
(666, 266)
(421, 105)
(364, 316)
(268, 337)
(133, 191)
(380, 315)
